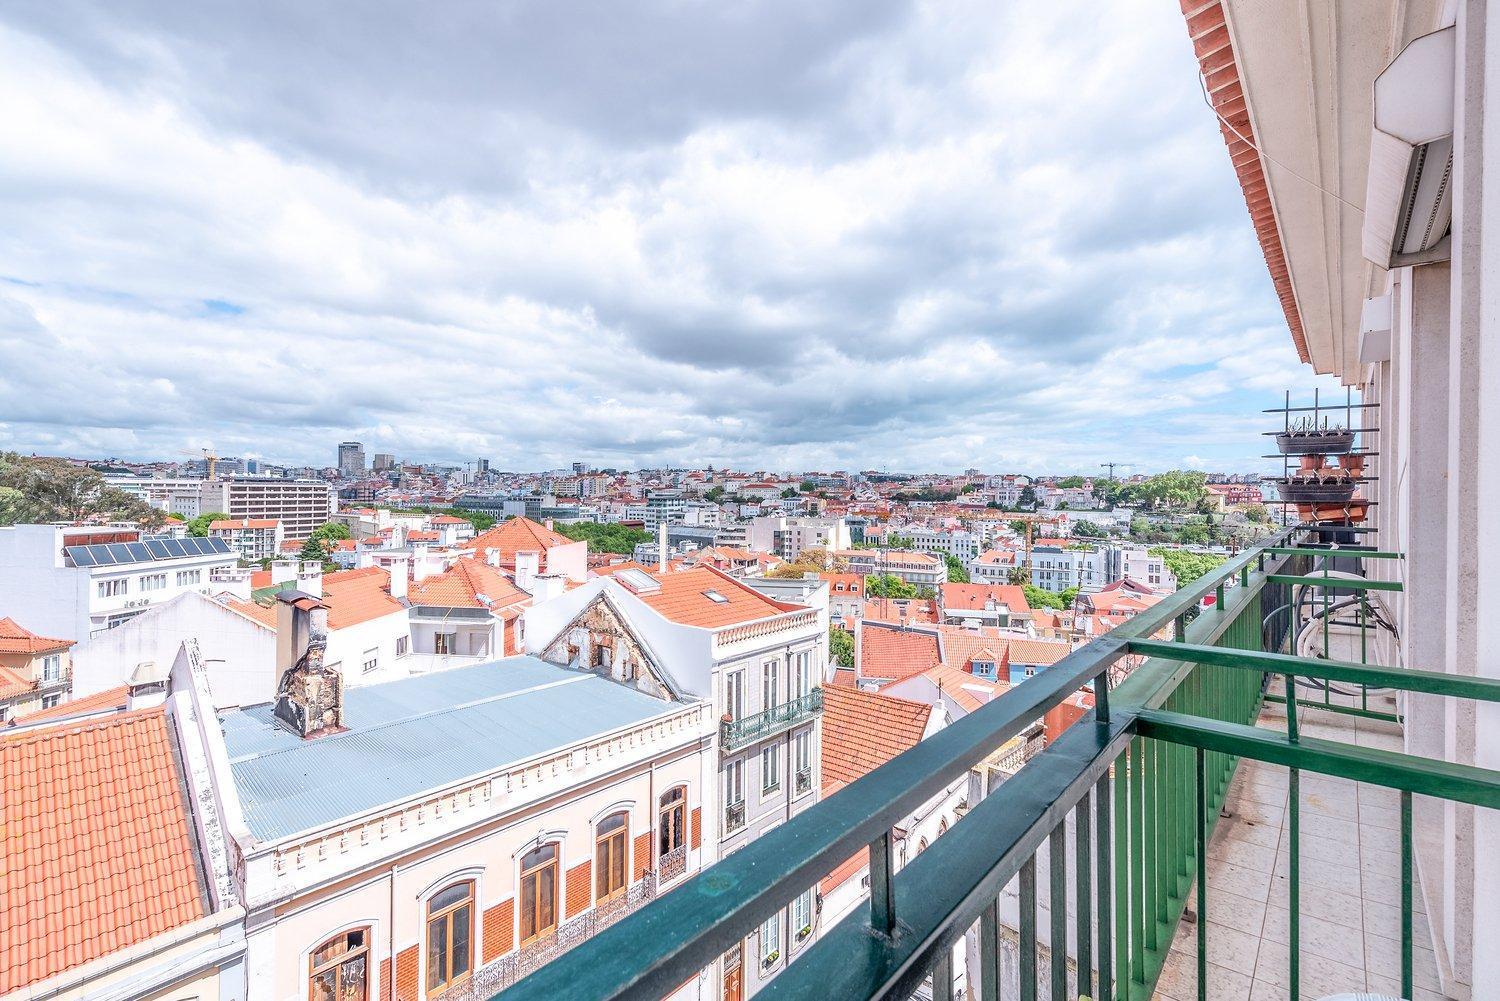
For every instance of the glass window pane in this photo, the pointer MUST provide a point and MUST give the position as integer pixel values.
(546, 916)
(352, 980)
(448, 897)
(528, 906)
(610, 824)
(324, 985)
(460, 953)
(617, 865)
(437, 953)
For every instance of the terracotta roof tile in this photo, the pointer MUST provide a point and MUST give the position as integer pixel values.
(684, 599)
(461, 585)
(355, 596)
(960, 645)
(517, 535)
(12, 683)
(972, 597)
(110, 698)
(965, 689)
(16, 638)
(863, 730)
(892, 653)
(97, 852)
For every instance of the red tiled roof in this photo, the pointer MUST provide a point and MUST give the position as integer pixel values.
(615, 568)
(863, 730)
(12, 683)
(110, 698)
(264, 614)
(844, 677)
(16, 638)
(960, 645)
(461, 584)
(97, 852)
(965, 689)
(972, 597)
(517, 535)
(355, 596)
(1211, 44)
(891, 653)
(684, 599)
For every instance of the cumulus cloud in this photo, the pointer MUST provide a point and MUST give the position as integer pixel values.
(780, 235)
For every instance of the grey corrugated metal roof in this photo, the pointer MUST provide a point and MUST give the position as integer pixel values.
(405, 737)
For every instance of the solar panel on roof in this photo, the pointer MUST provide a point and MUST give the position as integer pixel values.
(138, 552)
(80, 556)
(217, 546)
(175, 547)
(199, 546)
(118, 553)
(157, 548)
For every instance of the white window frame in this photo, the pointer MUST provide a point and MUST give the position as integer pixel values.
(112, 588)
(802, 673)
(734, 694)
(370, 661)
(734, 782)
(770, 940)
(770, 684)
(770, 768)
(802, 750)
(802, 915)
(52, 667)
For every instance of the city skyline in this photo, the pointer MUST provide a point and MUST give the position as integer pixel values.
(885, 237)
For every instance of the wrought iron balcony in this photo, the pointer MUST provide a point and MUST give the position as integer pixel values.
(804, 780)
(736, 733)
(734, 817)
(1113, 819)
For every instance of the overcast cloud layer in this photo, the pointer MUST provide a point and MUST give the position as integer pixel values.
(772, 235)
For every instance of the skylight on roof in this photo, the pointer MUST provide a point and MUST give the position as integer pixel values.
(716, 597)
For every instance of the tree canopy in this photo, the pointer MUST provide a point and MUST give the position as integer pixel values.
(1187, 566)
(611, 538)
(36, 490)
(886, 585)
(1089, 530)
(199, 526)
(957, 573)
(840, 647)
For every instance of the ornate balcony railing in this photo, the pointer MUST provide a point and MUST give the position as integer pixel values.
(734, 817)
(508, 969)
(1139, 778)
(804, 780)
(671, 865)
(736, 733)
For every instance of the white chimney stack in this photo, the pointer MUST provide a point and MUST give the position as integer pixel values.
(148, 686)
(492, 557)
(283, 571)
(528, 568)
(399, 579)
(310, 578)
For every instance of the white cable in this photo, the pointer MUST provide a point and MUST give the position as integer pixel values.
(1309, 635)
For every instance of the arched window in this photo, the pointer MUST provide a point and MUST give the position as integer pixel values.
(339, 968)
(672, 831)
(538, 892)
(450, 936)
(609, 857)
(921, 845)
(942, 827)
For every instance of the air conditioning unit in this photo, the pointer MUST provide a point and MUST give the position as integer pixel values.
(1409, 192)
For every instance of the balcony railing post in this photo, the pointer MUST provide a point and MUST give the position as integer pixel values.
(882, 871)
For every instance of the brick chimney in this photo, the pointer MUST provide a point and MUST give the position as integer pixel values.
(309, 696)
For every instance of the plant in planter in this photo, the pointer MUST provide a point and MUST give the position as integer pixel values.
(803, 932)
(771, 957)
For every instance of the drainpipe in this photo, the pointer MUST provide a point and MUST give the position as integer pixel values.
(390, 936)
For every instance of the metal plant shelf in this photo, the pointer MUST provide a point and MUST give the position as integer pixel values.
(735, 734)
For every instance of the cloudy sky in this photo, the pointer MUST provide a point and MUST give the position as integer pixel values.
(776, 235)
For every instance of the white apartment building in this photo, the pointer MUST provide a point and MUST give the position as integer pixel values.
(761, 664)
(787, 536)
(955, 542)
(300, 505)
(254, 539)
(74, 581)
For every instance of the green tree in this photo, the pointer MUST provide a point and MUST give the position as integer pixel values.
(1089, 530)
(714, 494)
(313, 551)
(1040, 597)
(1019, 527)
(331, 531)
(610, 538)
(34, 490)
(1070, 483)
(957, 573)
(1019, 576)
(1187, 566)
(894, 541)
(199, 525)
(1067, 595)
(840, 647)
(888, 586)
(1028, 498)
(1258, 514)
(969, 488)
(807, 486)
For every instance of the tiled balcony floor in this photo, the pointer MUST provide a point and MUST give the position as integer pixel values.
(1350, 884)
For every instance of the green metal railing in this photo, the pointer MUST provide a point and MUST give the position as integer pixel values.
(736, 733)
(1140, 779)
